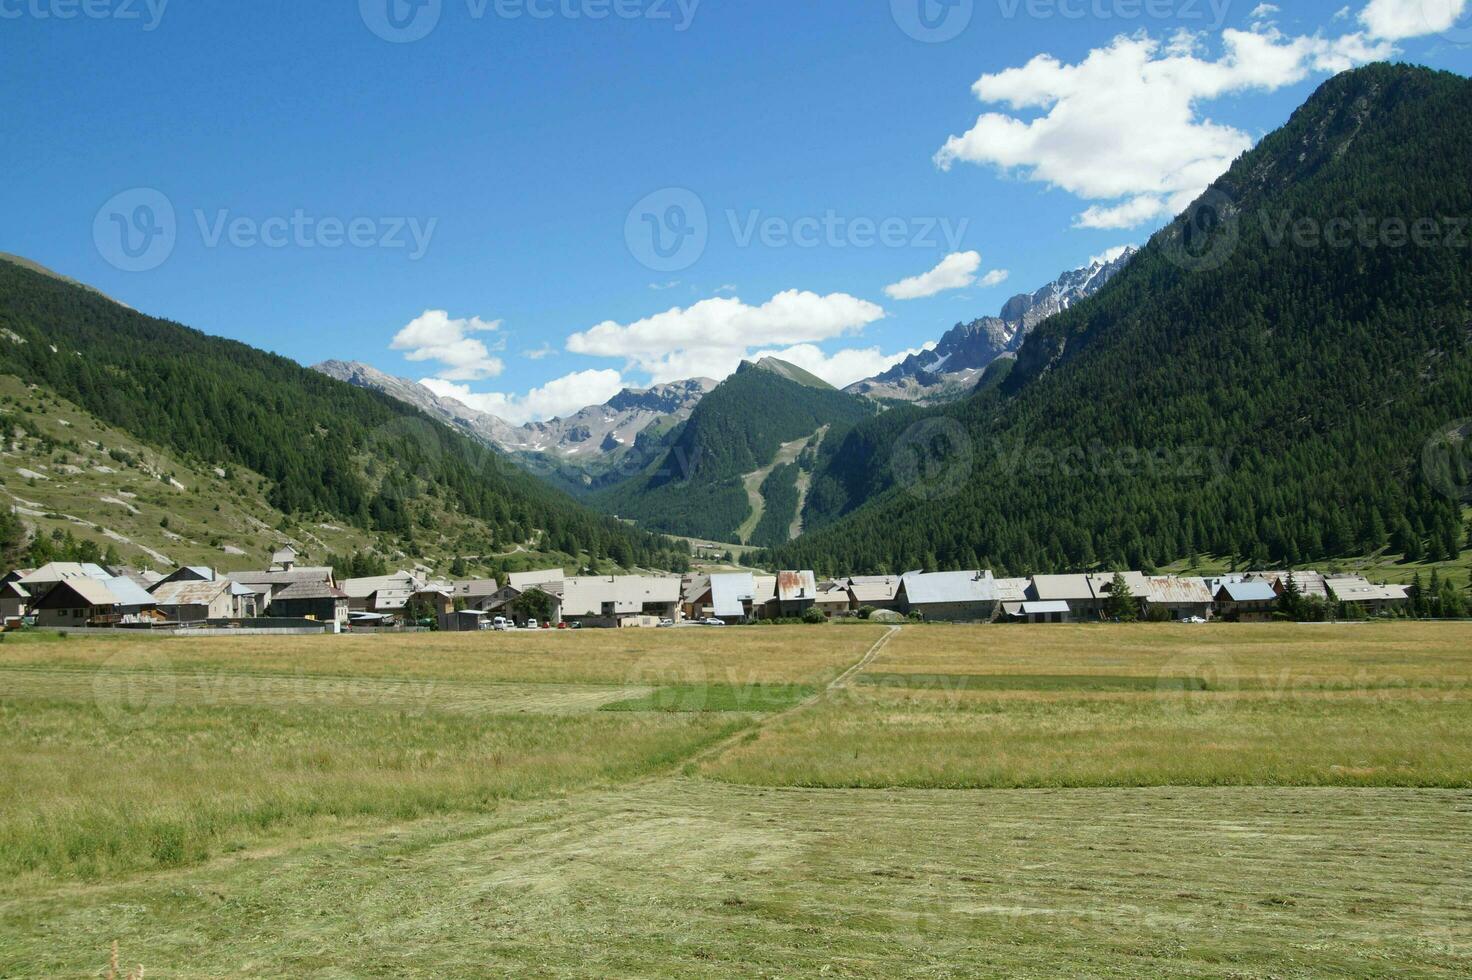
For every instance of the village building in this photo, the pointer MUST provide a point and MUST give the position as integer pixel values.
(308, 599)
(1102, 585)
(1375, 600)
(797, 592)
(285, 559)
(695, 597)
(267, 584)
(196, 601)
(43, 578)
(387, 594)
(483, 595)
(834, 601)
(1245, 602)
(521, 581)
(15, 601)
(1311, 584)
(77, 602)
(612, 601)
(874, 592)
(728, 596)
(1011, 594)
(1180, 598)
(1071, 590)
(949, 597)
(189, 573)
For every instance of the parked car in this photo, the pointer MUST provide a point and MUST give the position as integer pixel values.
(500, 624)
(531, 624)
(715, 622)
(666, 623)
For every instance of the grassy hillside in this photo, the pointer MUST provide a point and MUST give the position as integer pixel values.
(1253, 384)
(326, 452)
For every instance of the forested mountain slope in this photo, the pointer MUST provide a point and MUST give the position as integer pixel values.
(325, 448)
(1260, 381)
(693, 485)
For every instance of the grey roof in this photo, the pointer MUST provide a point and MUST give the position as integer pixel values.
(475, 588)
(1011, 589)
(1247, 592)
(874, 588)
(282, 578)
(309, 590)
(1066, 587)
(62, 571)
(949, 587)
(362, 588)
(1102, 584)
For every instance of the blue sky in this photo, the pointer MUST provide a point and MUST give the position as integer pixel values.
(477, 205)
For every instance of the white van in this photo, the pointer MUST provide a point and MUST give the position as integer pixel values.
(500, 624)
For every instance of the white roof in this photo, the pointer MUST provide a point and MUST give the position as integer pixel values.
(1044, 608)
(627, 593)
(729, 593)
(932, 588)
(1011, 589)
(874, 588)
(93, 591)
(362, 588)
(521, 581)
(1248, 591)
(62, 571)
(1357, 589)
(191, 592)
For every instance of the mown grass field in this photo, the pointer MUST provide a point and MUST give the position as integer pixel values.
(1222, 801)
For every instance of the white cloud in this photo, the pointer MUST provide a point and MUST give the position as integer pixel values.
(1263, 11)
(538, 353)
(955, 271)
(1124, 126)
(434, 336)
(844, 367)
(559, 397)
(662, 286)
(1395, 20)
(711, 337)
(994, 278)
(1109, 255)
(727, 288)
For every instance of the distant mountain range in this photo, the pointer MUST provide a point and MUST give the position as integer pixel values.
(956, 364)
(588, 436)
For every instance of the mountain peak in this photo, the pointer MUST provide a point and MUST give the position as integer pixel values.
(785, 369)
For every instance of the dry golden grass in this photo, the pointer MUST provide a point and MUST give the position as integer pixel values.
(1383, 705)
(731, 656)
